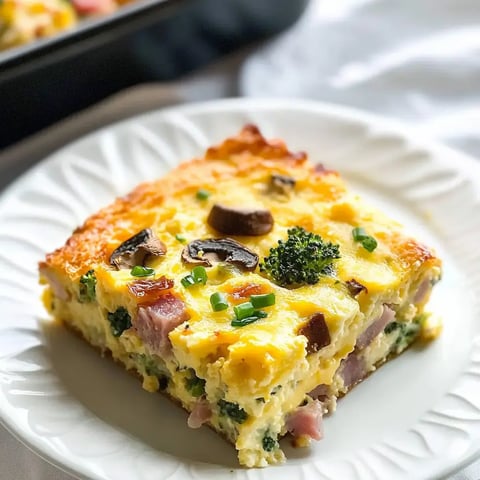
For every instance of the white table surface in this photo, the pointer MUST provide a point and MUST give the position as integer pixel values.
(437, 89)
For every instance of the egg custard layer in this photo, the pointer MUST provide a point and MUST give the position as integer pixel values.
(250, 285)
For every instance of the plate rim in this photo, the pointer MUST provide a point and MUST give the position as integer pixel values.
(232, 105)
(397, 127)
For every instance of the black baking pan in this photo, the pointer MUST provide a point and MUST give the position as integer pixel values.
(145, 41)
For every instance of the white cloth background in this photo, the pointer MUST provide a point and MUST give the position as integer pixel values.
(416, 60)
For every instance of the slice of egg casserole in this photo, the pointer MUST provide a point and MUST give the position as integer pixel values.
(249, 285)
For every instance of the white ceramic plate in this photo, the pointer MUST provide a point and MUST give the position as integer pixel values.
(418, 417)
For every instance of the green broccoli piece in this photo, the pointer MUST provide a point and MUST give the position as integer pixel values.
(86, 287)
(119, 321)
(232, 410)
(149, 364)
(195, 385)
(406, 333)
(152, 368)
(302, 259)
(269, 443)
(392, 327)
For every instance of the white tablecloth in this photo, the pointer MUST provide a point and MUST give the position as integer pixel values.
(416, 60)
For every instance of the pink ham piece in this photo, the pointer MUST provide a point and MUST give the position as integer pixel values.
(306, 421)
(155, 321)
(94, 7)
(57, 288)
(200, 414)
(422, 291)
(319, 392)
(378, 325)
(352, 370)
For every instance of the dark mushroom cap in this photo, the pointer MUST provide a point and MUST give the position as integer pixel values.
(212, 250)
(136, 249)
(282, 184)
(354, 287)
(317, 333)
(240, 221)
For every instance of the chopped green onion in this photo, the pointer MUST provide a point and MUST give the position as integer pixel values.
(218, 302)
(243, 310)
(139, 271)
(368, 242)
(181, 238)
(257, 315)
(199, 274)
(187, 281)
(359, 234)
(261, 301)
(202, 194)
(245, 321)
(197, 277)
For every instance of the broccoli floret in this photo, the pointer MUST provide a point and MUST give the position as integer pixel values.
(149, 364)
(302, 259)
(406, 333)
(86, 288)
(195, 385)
(391, 327)
(269, 443)
(119, 321)
(232, 410)
(152, 368)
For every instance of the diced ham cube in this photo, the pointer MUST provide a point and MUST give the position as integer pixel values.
(306, 421)
(387, 316)
(155, 321)
(200, 414)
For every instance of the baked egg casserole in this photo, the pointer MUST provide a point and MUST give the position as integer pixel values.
(23, 21)
(250, 286)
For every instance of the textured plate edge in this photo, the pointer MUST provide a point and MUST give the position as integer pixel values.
(395, 127)
(50, 459)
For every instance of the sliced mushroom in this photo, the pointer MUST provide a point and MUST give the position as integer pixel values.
(282, 184)
(136, 249)
(213, 250)
(355, 288)
(240, 221)
(316, 331)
